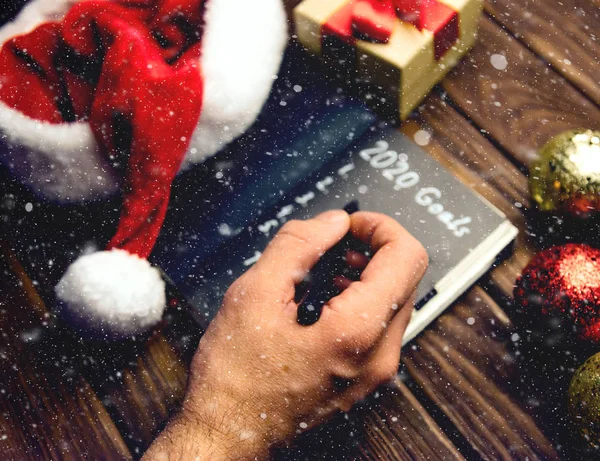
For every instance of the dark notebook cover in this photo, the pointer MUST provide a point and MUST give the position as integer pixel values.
(383, 171)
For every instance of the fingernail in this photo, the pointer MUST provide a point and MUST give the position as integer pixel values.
(333, 216)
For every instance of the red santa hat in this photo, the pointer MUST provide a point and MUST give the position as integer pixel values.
(176, 79)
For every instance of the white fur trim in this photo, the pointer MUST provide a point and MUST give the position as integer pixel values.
(61, 161)
(112, 294)
(242, 49)
(241, 52)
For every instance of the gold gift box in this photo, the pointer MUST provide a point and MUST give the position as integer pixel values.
(399, 73)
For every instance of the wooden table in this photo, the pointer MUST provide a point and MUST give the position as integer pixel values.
(478, 384)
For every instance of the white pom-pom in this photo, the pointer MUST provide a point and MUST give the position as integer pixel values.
(112, 294)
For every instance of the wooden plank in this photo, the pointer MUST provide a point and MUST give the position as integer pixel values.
(397, 427)
(289, 8)
(503, 277)
(493, 423)
(463, 373)
(46, 412)
(545, 362)
(563, 33)
(481, 330)
(522, 105)
(141, 392)
(390, 425)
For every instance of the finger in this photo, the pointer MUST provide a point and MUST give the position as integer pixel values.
(383, 364)
(356, 260)
(398, 264)
(388, 351)
(341, 282)
(298, 246)
(399, 261)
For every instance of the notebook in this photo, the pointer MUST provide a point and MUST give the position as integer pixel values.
(313, 149)
(386, 172)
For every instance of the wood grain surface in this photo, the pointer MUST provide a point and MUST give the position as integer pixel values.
(521, 106)
(46, 410)
(473, 386)
(467, 384)
(563, 33)
(398, 427)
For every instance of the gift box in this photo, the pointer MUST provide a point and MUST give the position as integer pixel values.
(394, 51)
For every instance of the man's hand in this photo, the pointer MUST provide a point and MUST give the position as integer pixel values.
(258, 377)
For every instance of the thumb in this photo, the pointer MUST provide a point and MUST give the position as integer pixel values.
(298, 246)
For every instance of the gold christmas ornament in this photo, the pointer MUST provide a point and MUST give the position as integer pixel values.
(584, 400)
(566, 175)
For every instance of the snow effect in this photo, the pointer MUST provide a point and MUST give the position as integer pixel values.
(499, 61)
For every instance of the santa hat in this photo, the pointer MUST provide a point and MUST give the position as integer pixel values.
(92, 88)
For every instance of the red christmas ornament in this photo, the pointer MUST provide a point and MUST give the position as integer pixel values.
(565, 281)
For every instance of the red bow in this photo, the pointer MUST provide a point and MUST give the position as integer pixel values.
(374, 20)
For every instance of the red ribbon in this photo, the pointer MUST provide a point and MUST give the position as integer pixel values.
(132, 68)
(374, 20)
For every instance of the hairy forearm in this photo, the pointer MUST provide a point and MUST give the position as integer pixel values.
(259, 378)
(188, 438)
